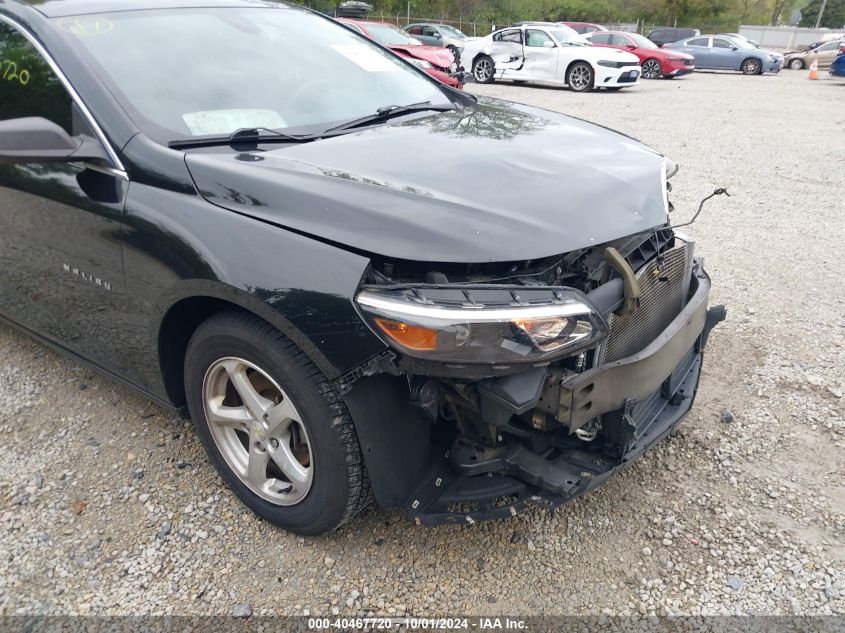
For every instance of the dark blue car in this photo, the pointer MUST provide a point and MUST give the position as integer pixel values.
(837, 68)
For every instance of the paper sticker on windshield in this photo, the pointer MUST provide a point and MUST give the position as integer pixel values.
(228, 121)
(365, 57)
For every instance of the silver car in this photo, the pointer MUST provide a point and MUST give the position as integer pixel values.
(720, 52)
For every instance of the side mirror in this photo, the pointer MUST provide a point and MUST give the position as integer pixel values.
(734, 48)
(37, 140)
(437, 36)
(632, 46)
(548, 44)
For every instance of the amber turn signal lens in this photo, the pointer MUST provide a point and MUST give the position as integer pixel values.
(409, 336)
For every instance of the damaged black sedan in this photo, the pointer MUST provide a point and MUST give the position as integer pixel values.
(351, 277)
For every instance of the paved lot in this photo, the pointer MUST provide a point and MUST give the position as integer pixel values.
(108, 506)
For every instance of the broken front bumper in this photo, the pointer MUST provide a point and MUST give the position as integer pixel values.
(639, 399)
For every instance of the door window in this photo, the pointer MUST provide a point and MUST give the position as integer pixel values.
(717, 43)
(415, 30)
(600, 38)
(619, 40)
(699, 41)
(429, 32)
(514, 36)
(536, 38)
(28, 86)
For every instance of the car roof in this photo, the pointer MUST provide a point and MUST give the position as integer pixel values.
(65, 8)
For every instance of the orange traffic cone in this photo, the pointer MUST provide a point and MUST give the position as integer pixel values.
(814, 69)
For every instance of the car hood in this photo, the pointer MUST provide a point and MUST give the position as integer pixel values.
(492, 182)
(432, 54)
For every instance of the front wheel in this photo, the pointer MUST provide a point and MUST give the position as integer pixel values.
(651, 69)
(483, 69)
(580, 77)
(273, 426)
(751, 66)
(796, 64)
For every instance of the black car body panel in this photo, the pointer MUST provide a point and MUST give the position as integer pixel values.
(119, 261)
(426, 189)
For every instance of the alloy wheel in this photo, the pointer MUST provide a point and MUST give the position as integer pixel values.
(796, 64)
(651, 69)
(483, 70)
(751, 66)
(258, 431)
(580, 77)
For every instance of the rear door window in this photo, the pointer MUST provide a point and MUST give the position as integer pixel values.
(600, 38)
(513, 35)
(699, 41)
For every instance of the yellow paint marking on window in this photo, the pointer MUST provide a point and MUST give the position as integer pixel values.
(86, 26)
(9, 72)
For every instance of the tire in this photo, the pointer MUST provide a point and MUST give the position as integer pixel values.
(305, 428)
(580, 77)
(651, 69)
(483, 69)
(751, 66)
(454, 50)
(796, 64)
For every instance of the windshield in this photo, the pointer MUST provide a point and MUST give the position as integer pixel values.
(183, 74)
(388, 35)
(565, 35)
(642, 42)
(453, 32)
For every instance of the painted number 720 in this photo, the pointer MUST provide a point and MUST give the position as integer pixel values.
(9, 72)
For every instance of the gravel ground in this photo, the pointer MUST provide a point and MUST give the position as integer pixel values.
(108, 506)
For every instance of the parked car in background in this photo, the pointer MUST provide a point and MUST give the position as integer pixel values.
(715, 52)
(656, 62)
(740, 36)
(837, 68)
(667, 35)
(823, 55)
(815, 45)
(438, 62)
(549, 54)
(352, 277)
(582, 28)
(438, 35)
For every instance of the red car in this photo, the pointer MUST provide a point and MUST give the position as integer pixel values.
(434, 60)
(656, 62)
(583, 28)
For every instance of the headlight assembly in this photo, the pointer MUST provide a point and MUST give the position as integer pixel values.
(482, 324)
(610, 64)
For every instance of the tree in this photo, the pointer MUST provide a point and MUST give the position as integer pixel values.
(834, 14)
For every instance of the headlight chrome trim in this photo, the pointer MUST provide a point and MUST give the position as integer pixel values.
(516, 324)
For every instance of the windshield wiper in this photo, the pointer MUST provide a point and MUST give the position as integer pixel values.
(389, 112)
(243, 136)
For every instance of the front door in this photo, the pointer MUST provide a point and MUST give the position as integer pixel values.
(61, 270)
(723, 55)
(541, 56)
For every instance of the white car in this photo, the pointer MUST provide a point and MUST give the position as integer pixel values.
(553, 54)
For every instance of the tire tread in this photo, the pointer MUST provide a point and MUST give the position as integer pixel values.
(359, 491)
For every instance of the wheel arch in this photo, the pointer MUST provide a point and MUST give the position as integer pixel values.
(577, 61)
(182, 315)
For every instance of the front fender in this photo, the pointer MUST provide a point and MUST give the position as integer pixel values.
(178, 246)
